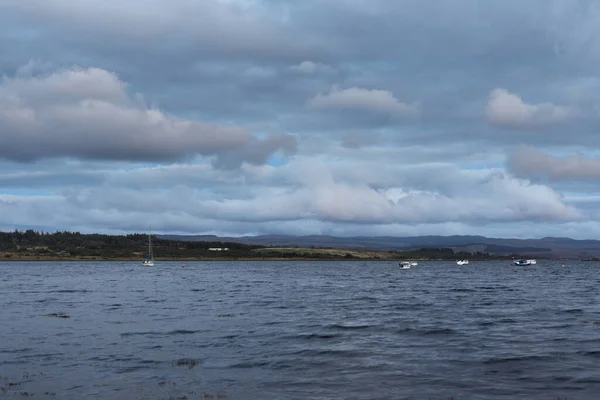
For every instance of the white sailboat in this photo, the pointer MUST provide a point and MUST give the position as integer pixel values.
(462, 262)
(149, 261)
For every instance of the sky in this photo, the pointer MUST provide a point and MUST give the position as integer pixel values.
(334, 117)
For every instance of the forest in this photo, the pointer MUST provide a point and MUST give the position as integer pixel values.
(65, 245)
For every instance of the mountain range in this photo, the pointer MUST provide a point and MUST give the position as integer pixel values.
(548, 247)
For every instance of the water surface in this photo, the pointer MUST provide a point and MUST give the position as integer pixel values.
(299, 330)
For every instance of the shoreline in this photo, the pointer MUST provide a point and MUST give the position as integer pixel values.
(229, 259)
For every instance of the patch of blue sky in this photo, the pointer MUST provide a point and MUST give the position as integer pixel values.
(25, 192)
(18, 32)
(277, 161)
(581, 196)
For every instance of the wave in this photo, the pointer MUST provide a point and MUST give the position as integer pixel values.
(350, 327)
(517, 359)
(182, 332)
(311, 336)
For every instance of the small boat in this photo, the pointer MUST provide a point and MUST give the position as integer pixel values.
(149, 261)
(522, 262)
(413, 263)
(404, 265)
(462, 262)
(532, 261)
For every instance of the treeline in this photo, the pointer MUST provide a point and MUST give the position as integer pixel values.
(65, 245)
(74, 244)
(444, 253)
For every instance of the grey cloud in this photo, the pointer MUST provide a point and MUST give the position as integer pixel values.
(253, 66)
(87, 113)
(530, 163)
(390, 51)
(508, 109)
(212, 28)
(259, 151)
(357, 140)
(50, 179)
(354, 98)
(64, 86)
(326, 25)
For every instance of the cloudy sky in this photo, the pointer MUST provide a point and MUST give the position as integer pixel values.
(341, 117)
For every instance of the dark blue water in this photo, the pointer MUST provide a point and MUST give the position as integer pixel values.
(300, 330)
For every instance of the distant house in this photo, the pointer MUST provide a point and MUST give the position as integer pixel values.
(218, 248)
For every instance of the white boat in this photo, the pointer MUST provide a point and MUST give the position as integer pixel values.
(404, 265)
(462, 262)
(413, 263)
(532, 261)
(522, 262)
(149, 261)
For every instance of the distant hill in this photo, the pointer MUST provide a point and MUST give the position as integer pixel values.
(548, 247)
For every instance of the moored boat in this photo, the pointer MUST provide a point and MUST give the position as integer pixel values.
(149, 261)
(522, 262)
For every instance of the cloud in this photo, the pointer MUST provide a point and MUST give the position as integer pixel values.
(357, 140)
(259, 151)
(87, 113)
(223, 81)
(304, 190)
(508, 110)
(309, 68)
(354, 98)
(223, 28)
(530, 163)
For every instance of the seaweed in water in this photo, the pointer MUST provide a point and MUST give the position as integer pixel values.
(185, 362)
(57, 315)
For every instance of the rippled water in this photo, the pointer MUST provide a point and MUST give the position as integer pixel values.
(300, 330)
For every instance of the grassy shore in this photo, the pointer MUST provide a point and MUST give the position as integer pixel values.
(261, 254)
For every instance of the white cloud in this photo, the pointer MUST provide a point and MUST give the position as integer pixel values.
(354, 98)
(310, 67)
(305, 190)
(509, 110)
(87, 113)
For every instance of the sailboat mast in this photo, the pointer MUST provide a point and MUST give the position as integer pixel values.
(150, 243)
